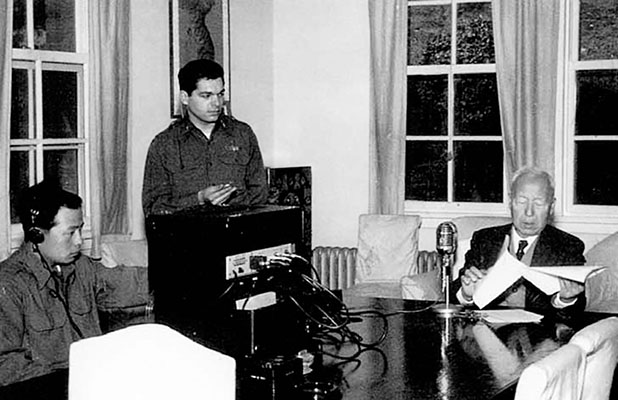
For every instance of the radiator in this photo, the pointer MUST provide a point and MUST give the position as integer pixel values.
(336, 266)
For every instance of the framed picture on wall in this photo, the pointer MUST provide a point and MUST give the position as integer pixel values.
(198, 29)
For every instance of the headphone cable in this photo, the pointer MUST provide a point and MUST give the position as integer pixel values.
(57, 292)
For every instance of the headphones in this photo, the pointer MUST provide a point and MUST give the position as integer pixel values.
(34, 234)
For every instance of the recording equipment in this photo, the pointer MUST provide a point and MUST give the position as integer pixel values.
(224, 278)
(273, 378)
(285, 335)
(200, 263)
(446, 245)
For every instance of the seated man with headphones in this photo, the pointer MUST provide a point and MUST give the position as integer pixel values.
(50, 292)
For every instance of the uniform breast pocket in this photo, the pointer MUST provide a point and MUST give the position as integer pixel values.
(234, 157)
(46, 319)
(81, 305)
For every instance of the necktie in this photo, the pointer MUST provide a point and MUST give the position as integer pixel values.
(520, 249)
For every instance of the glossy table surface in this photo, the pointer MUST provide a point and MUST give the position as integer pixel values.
(426, 356)
(408, 352)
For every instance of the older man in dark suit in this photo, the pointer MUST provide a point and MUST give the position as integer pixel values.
(533, 242)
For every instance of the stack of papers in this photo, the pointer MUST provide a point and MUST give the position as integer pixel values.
(509, 316)
(507, 270)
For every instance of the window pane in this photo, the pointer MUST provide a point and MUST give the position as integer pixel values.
(426, 176)
(20, 179)
(61, 166)
(19, 103)
(427, 105)
(598, 30)
(429, 35)
(54, 25)
(475, 41)
(596, 175)
(478, 171)
(597, 103)
(20, 35)
(476, 105)
(59, 104)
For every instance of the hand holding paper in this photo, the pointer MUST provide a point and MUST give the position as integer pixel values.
(500, 277)
(507, 270)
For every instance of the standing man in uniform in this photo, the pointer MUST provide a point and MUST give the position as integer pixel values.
(206, 157)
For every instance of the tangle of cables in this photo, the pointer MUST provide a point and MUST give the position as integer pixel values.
(328, 318)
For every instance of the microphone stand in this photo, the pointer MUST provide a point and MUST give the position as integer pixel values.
(446, 309)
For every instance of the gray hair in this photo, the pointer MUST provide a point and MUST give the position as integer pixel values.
(534, 173)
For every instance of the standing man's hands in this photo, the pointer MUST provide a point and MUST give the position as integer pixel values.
(216, 195)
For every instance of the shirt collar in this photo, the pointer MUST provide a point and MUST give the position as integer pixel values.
(32, 262)
(515, 239)
(188, 126)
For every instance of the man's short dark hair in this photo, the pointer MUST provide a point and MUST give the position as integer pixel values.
(39, 204)
(193, 71)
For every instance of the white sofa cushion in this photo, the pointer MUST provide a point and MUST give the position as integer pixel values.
(602, 289)
(127, 252)
(387, 247)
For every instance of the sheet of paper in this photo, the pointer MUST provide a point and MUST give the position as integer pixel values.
(578, 273)
(549, 284)
(507, 270)
(500, 277)
(510, 316)
(548, 278)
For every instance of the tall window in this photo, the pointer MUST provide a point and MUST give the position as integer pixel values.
(593, 116)
(454, 140)
(48, 105)
(454, 151)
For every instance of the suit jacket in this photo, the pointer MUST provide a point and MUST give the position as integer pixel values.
(553, 248)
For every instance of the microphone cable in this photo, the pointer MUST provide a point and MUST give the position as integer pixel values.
(332, 318)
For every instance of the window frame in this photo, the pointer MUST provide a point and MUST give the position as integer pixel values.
(39, 61)
(572, 65)
(451, 71)
(587, 219)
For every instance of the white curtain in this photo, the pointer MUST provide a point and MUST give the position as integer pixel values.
(526, 37)
(6, 40)
(109, 68)
(388, 24)
(109, 94)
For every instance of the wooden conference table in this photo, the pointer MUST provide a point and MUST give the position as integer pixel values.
(425, 356)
